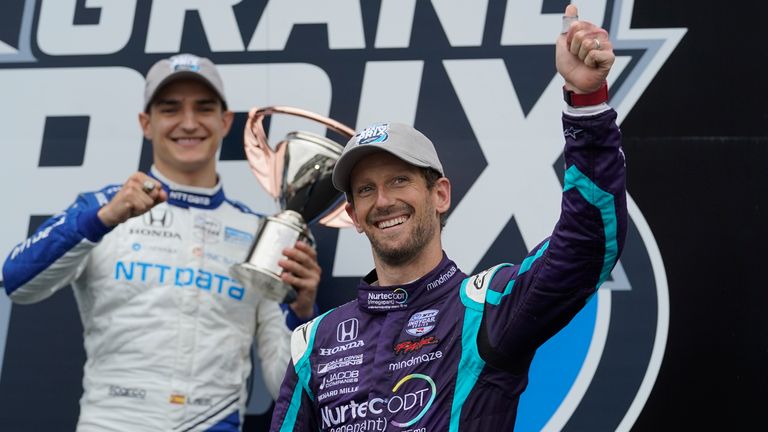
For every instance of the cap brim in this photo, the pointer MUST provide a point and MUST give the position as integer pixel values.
(185, 75)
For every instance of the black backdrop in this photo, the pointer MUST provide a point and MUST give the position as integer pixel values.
(696, 151)
(696, 147)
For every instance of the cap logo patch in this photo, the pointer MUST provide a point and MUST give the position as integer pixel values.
(186, 62)
(373, 134)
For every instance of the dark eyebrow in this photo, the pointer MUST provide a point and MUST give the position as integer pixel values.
(171, 101)
(207, 101)
(167, 102)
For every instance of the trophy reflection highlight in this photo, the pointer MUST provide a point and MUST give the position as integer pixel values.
(297, 173)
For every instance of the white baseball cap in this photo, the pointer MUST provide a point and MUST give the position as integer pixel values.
(182, 66)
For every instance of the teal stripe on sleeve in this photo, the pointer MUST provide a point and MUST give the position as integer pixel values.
(528, 262)
(494, 297)
(470, 364)
(293, 410)
(605, 203)
(304, 371)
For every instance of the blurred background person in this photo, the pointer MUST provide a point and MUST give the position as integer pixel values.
(167, 331)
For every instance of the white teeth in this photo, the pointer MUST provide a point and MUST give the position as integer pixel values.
(187, 141)
(392, 222)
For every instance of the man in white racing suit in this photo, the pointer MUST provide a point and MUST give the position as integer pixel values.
(167, 330)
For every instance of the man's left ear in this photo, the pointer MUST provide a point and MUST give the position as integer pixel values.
(442, 193)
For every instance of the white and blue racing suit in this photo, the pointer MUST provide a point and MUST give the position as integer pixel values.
(167, 330)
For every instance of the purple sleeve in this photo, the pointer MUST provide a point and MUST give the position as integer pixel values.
(528, 303)
(293, 409)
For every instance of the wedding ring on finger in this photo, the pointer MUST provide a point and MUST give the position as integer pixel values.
(148, 186)
(597, 44)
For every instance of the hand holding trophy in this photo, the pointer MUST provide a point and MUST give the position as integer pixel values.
(297, 173)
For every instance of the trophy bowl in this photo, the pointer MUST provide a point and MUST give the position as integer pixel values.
(297, 174)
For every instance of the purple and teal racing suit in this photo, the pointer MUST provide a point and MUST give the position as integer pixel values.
(167, 330)
(449, 352)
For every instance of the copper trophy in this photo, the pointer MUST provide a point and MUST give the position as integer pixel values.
(297, 174)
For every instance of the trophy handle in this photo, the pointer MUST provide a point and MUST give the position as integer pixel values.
(256, 116)
(267, 164)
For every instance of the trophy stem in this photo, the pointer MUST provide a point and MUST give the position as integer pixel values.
(298, 174)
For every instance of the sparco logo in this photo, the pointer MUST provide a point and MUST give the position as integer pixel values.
(454, 64)
(159, 217)
(118, 391)
(202, 401)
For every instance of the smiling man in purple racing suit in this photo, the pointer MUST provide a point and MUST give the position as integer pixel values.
(425, 347)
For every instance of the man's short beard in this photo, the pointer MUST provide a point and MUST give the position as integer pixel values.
(410, 250)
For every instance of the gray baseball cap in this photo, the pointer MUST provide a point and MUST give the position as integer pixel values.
(399, 139)
(182, 66)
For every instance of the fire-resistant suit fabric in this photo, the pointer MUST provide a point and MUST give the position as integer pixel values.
(449, 352)
(167, 330)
